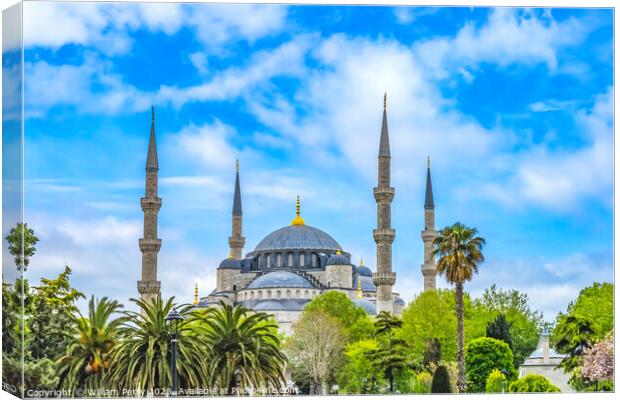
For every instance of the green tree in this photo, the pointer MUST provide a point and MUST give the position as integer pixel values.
(595, 303)
(353, 318)
(90, 339)
(499, 329)
(22, 241)
(140, 360)
(430, 316)
(359, 374)
(52, 308)
(244, 348)
(391, 356)
(432, 352)
(496, 382)
(459, 251)
(574, 335)
(441, 381)
(315, 348)
(482, 356)
(533, 383)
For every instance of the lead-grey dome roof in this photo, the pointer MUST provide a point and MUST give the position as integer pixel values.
(363, 270)
(230, 263)
(298, 237)
(280, 279)
(367, 305)
(277, 304)
(367, 284)
(338, 259)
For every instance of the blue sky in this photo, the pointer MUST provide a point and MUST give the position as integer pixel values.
(514, 107)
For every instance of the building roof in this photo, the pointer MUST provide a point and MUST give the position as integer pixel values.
(151, 157)
(428, 199)
(368, 306)
(280, 279)
(237, 196)
(384, 144)
(230, 263)
(298, 237)
(363, 270)
(399, 301)
(367, 284)
(338, 259)
(276, 304)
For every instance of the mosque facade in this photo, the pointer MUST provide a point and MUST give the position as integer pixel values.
(292, 265)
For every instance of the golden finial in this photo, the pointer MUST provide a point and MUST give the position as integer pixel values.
(385, 101)
(230, 254)
(237, 165)
(298, 220)
(338, 252)
(196, 293)
(359, 288)
(428, 161)
(361, 262)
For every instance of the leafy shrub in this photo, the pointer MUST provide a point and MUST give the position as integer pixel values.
(496, 382)
(533, 383)
(441, 381)
(422, 383)
(482, 356)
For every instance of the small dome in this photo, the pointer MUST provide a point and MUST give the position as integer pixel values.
(367, 284)
(367, 305)
(280, 279)
(230, 263)
(338, 259)
(363, 271)
(399, 301)
(277, 304)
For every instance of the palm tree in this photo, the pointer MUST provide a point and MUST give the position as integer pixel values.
(459, 251)
(87, 357)
(244, 348)
(141, 360)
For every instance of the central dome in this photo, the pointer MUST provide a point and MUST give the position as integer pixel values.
(297, 237)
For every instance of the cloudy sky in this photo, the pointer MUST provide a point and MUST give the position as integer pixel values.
(513, 106)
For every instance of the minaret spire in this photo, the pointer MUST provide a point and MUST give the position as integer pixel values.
(236, 241)
(429, 268)
(298, 220)
(149, 286)
(196, 293)
(384, 278)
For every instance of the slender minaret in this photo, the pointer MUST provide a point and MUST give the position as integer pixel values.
(148, 286)
(429, 269)
(384, 278)
(237, 240)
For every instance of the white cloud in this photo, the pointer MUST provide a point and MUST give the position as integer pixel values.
(559, 179)
(106, 26)
(208, 144)
(509, 36)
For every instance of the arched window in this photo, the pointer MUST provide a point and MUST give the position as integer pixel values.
(290, 259)
(279, 294)
(268, 261)
(315, 260)
(302, 260)
(306, 294)
(288, 293)
(260, 294)
(298, 293)
(268, 294)
(279, 260)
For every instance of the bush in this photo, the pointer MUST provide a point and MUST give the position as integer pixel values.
(482, 356)
(496, 382)
(422, 383)
(533, 383)
(441, 381)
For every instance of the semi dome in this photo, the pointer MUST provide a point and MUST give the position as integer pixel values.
(230, 263)
(279, 279)
(363, 271)
(298, 237)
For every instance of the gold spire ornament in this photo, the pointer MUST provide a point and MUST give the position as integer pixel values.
(385, 101)
(359, 288)
(428, 161)
(298, 220)
(237, 165)
(196, 293)
(361, 262)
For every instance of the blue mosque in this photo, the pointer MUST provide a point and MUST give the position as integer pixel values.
(292, 265)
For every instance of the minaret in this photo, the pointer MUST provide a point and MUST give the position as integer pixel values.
(384, 278)
(429, 269)
(148, 286)
(237, 240)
